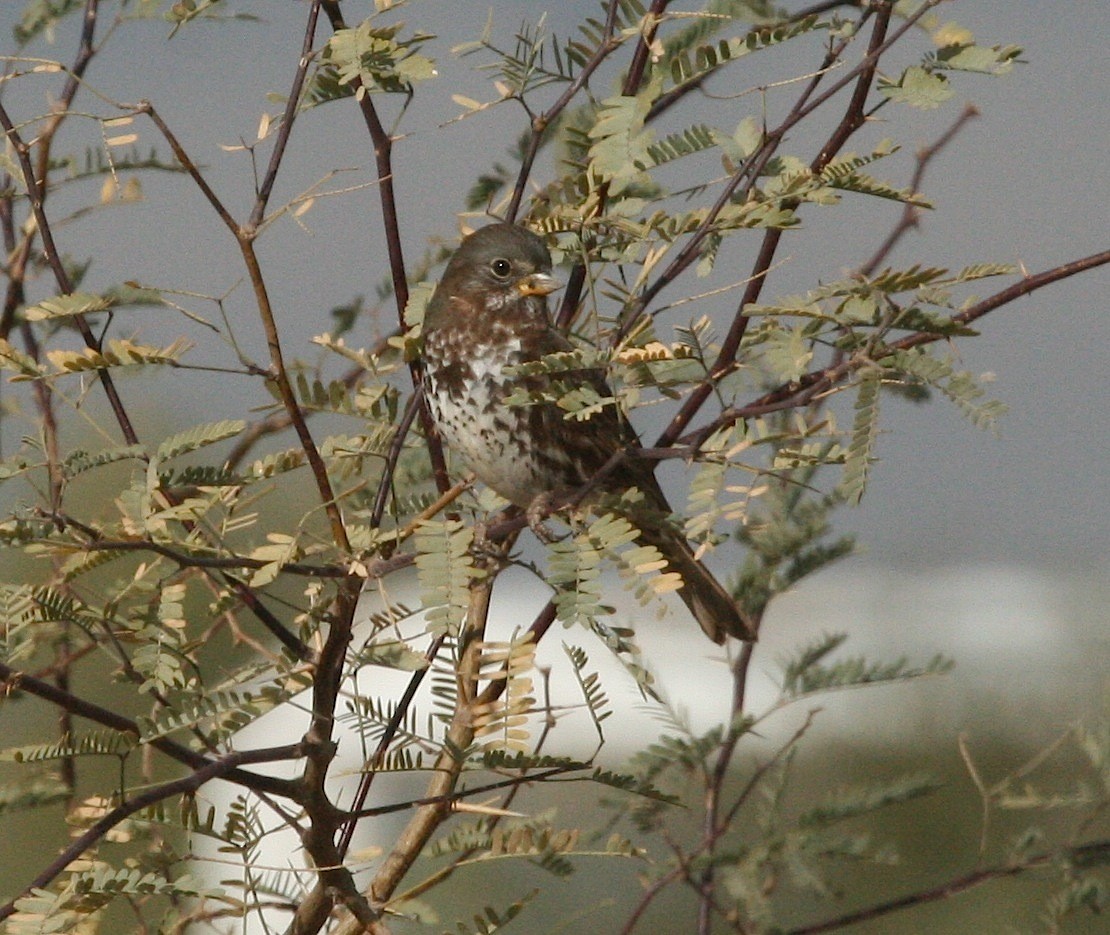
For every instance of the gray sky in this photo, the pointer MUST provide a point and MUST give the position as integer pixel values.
(1025, 183)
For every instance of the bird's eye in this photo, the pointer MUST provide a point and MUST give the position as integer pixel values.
(501, 268)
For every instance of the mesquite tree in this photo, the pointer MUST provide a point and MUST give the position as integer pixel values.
(221, 566)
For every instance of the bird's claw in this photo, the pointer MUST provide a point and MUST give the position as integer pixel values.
(538, 510)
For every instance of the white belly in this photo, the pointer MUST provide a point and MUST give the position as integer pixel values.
(480, 429)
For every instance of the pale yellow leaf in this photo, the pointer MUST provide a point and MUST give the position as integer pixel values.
(132, 190)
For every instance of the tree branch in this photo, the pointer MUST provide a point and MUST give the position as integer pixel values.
(14, 680)
(1079, 854)
(224, 767)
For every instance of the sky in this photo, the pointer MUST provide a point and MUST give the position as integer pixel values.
(1025, 183)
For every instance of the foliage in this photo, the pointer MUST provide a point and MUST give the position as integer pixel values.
(214, 570)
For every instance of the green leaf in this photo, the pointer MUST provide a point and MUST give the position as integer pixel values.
(574, 571)
(490, 920)
(961, 387)
(377, 58)
(590, 685)
(619, 141)
(220, 713)
(41, 16)
(695, 139)
(77, 462)
(446, 570)
(744, 141)
(918, 88)
(788, 353)
(392, 654)
(62, 306)
(198, 437)
(33, 792)
(96, 743)
(118, 352)
(993, 60)
(865, 430)
(807, 672)
(852, 802)
(692, 61)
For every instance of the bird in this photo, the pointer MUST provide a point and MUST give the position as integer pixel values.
(487, 316)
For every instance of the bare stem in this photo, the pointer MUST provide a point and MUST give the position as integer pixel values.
(1094, 851)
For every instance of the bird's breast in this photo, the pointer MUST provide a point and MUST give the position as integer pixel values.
(467, 382)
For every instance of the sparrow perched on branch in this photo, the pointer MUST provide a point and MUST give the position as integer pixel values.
(489, 315)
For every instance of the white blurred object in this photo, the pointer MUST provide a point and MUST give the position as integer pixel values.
(1021, 638)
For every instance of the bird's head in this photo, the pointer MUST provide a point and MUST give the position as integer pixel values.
(496, 270)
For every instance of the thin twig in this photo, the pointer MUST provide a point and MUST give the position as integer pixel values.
(541, 122)
(221, 768)
(715, 787)
(1079, 854)
(911, 213)
(862, 75)
(292, 103)
(370, 767)
(572, 293)
(799, 392)
(35, 189)
(383, 159)
(14, 680)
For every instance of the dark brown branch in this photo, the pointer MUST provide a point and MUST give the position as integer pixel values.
(14, 680)
(862, 75)
(1078, 855)
(378, 758)
(572, 294)
(383, 159)
(668, 99)
(189, 560)
(396, 446)
(224, 767)
(190, 167)
(36, 188)
(802, 391)
(279, 421)
(541, 122)
(249, 599)
(711, 830)
(292, 103)
(457, 795)
(744, 179)
(911, 213)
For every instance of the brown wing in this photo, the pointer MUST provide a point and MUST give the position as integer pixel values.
(590, 443)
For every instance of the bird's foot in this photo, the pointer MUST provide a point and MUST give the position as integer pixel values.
(538, 510)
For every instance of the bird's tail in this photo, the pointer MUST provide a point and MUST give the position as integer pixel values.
(712, 606)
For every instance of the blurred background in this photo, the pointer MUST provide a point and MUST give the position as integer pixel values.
(992, 550)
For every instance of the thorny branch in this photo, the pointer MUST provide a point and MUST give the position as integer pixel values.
(221, 768)
(12, 679)
(634, 78)
(862, 75)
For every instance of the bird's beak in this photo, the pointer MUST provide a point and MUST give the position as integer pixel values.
(539, 284)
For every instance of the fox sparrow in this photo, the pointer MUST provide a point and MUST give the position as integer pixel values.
(489, 313)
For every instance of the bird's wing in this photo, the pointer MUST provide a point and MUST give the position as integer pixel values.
(604, 433)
